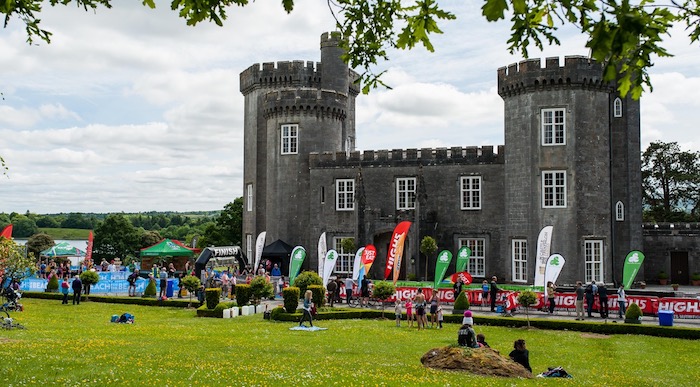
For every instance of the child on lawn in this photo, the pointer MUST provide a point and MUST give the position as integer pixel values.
(397, 311)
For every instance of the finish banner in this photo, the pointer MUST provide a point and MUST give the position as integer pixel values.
(463, 258)
(329, 265)
(544, 244)
(441, 265)
(295, 262)
(322, 250)
(393, 256)
(555, 263)
(368, 256)
(633, 261)
(357, 264)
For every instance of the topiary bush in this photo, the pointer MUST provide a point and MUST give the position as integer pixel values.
(633, 314)
(462, 302)
(212, 297)
(219, 308)
(52, 286)
(243, 294)
(318, 295)
(191, 283)
(276, 313)
(382, 291)
(291, 298)
(150, 290)
(305, 279)
(526, 299)
(260, 288)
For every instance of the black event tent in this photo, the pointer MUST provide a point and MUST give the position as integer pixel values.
(278, 252)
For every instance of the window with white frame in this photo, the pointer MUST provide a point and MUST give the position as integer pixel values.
(345, 194)
(248, 246)
(553, 189)
(477, 260)
(345, 259)
(593, 257)
(553, 126)
(617, 107)
(519, 255)
(405, 193)
(619, 211)
(249, 197)
(470, 189)
(290, 139)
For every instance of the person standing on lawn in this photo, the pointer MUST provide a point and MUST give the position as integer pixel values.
(579, 300)
(77, 286)
(434, 302)
(132, 282)
(306, 309)
(65, 288)
(349, 283)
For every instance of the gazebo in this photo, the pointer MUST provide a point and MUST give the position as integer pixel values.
(166, 248)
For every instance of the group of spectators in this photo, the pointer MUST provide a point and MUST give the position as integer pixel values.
(593, 290)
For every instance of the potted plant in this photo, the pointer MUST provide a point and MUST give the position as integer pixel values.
(663, 278)
(695, 279)
(675, 286)
(634, 314)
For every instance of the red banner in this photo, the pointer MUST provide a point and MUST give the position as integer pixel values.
(396, 247)
(463, 275)
(88, 251)
(7, 232)
(367, 258)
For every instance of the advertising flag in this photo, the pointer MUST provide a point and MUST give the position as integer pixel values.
(544, 244)
(368, 256)
(88, 250)
(357, 263)
(463, 275)
(441, 265)
(633, 262)
(295, 262)
(396, 247)
(322, 250)
(555, 263)
(329, 265)
(7, 232)
(259, 246)
(463, 258)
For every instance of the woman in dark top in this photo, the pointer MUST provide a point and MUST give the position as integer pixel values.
(520, 354)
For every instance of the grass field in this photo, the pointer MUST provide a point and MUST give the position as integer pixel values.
(77, 345)
(65, 233)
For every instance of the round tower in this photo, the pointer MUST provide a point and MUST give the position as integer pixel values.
(562, 169)
(291, 110)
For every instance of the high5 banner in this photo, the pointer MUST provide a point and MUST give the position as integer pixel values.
(395, 253)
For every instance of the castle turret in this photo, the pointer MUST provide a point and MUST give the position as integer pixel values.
(564, 148)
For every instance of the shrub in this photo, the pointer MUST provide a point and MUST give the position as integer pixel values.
(276, 313)
(219, 309)
(305, 279)
(526, 299)
(382, 291)
(52, 286)
(462, 302)
(89, 277)
(191, 283)
(318, 295)
(291, 298)
(150, 290)
(212, 297)
(260, 288)
(663, 275)
(243, 294)
(634, 312)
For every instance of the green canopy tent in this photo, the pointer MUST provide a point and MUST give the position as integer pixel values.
(166, 248)
(63, 249)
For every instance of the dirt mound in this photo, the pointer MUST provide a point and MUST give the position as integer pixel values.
(480, 361)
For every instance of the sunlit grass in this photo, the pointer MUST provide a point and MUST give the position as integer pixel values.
(76, 345)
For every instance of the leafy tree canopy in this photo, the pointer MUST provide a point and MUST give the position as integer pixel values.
(115, 237)
(13, 263)
(622, 34)
(38, 243)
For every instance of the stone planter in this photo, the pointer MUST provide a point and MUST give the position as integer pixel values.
(695, 282)
(663, 281)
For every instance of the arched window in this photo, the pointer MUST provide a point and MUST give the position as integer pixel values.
(619, 212)
(617, 107)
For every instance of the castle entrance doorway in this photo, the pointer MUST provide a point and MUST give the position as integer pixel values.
(679, 267)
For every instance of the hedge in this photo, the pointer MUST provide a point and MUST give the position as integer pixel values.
(291, 298)
(179, 303)
(212, 297)
(318, 294)
(243, 294)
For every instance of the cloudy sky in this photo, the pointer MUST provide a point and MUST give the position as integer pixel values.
(131, 110)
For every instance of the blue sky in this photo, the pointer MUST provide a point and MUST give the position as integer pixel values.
(129, 109)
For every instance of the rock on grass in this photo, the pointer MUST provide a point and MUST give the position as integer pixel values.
(479, 361)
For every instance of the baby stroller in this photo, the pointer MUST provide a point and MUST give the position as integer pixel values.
(11, 297)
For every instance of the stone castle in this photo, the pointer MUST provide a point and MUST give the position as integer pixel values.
(571, 160)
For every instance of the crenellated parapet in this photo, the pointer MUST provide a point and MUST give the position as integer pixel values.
(529, 76)
(470, 155)
(279, 75)
(306, 102)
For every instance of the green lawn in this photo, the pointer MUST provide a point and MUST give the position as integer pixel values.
(66, 233)
(76, 345)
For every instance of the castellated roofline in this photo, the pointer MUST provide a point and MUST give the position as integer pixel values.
(288, 74)
(305, 101)
(528, 76)
(470, 155)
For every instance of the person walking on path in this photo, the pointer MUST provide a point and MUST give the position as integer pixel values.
(306, 309)
(331, 287)
(484, 293)
(457, 287)
(551, 292)
(591, 291)
(132, 282)
(494, 293)
(603, 299)
(621, 301)
(349, 283)
(579, 300)
(77, 286)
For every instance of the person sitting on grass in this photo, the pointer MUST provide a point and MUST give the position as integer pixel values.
(466, 337)
(520, 354)
(481, 340)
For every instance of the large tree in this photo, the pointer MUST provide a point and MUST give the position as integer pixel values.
(671, 178)
(115, 237)
(622, 34)
(230, 221)
(38, 243)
